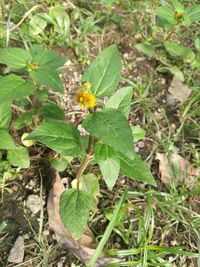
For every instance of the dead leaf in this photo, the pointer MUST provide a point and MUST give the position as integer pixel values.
(185, 170)
(16, 254)
(179, 90)
(84, 248)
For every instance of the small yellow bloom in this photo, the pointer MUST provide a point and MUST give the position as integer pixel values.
(86, 85)
(178, 15)
(86, 99)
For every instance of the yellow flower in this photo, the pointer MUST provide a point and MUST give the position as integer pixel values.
(33, 66)
(178, 15)
(86, 99)
(86, 85)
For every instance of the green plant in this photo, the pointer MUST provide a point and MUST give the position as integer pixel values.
(109, 140)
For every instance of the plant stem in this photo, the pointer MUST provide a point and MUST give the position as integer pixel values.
(85, 161)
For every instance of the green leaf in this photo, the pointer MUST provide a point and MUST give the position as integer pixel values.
(197, 44)
(121, 100)
(136, 169)
(147, 49)
(179, 50)
(19, 157)
(47, 58)
(52, 111)
(111, 126)
(177, 72)
(61, 18)
(5, 114)
(49, 77)
(16, 58)
(60, 164)
(23, 120)
(13, 88)
(61, 137)
(104, 72)
(74, 210)
(37, 24)
(109, 163)
(138, 133)
(179, 7)
(167, 15)
(6, 141)
(193, 12)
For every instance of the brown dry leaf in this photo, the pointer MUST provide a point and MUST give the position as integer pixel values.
(186, 172)
(179, 90)
(84, 248)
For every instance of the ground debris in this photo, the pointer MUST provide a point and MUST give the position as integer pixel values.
(16, 254)
(178, 90)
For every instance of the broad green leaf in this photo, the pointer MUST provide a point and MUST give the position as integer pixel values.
(52, 111)
(61, 18)
(37, 24)
(5, 114)
(136, 169)
(147, 49)
(193, 12)
(16, 58)
(111, 126)
(61, 163)
(104, 72)
(166, 14)
(109, 163)
(74, 210)
(13, 88)
(19, 157)
(49, 77)
(177, 72)
(121, 100)
(6, 141)
(179, 50)
(61, 137)
(138, 133)
(47, 58)
(23, 120)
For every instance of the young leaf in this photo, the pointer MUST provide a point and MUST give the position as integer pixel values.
(5, 114)
(179, 7)
(104, 72)
(61, 18)
(16, 58)
(23, 120)
(193, 12)
(52, 111)
(136, 169)
(111, 126)
(121, 100)
(6, 141)
(138, 133)
(61, 137)
(60, 164)
(49, 77)
(109, 163)
(46, 58)
(74, 210)
(197, 44)
(19, 157)
(37, 24)
(14, 87)
(179, 50)
(147, 49)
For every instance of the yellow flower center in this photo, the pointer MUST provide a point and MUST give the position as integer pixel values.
(87, 100)
(178, 15)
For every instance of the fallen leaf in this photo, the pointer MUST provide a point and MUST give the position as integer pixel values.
(16, 254)
(178, 90)
(185, 170)
(84, 248)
